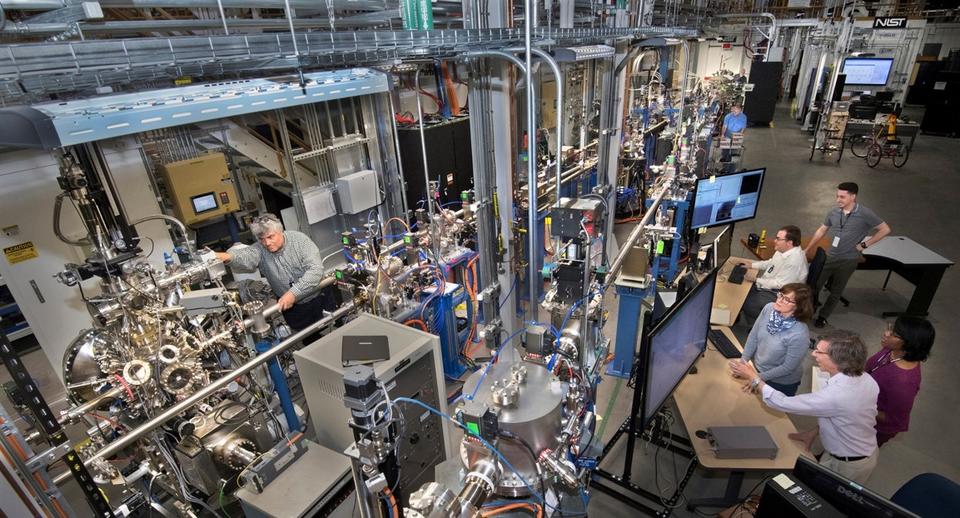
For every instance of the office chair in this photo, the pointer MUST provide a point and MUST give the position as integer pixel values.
(929, 495)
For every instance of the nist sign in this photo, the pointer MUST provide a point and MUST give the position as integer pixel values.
(889, 22)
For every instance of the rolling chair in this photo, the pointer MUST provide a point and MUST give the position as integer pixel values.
(929, 495)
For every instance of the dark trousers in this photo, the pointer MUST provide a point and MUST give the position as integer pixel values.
(789, 390)
(756, 299)
(884, 437)
(307, 312)
(835, 274)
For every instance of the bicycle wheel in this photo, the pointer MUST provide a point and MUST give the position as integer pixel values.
(859, 145)
(874, 154)
(900, 159)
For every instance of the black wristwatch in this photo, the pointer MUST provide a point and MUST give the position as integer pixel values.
(864, 245)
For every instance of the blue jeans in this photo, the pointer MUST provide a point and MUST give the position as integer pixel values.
(790, 390)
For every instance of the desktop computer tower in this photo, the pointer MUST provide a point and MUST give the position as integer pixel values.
(785, 497)
(413, 370)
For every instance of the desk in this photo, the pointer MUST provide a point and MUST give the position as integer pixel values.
(729, 296)
(729, 406)
(917, 264)
(857, 127)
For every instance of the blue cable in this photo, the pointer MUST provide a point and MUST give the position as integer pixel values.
(389, 507)
(512, 286)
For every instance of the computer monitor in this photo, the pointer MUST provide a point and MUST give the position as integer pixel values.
(674, 344)
(722, 245)
(204, 202)
(846, 495)
(867, 71)
(725, 199)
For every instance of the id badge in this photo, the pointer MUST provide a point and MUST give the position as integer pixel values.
(836, 242)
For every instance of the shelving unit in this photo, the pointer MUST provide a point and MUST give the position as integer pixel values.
(12, 322)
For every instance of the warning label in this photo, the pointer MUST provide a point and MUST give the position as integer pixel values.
(19, 253)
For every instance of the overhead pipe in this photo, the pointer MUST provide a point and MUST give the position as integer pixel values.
(771, 37)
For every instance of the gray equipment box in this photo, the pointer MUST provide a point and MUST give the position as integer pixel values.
(317, 481)
(413, 370)
(742, 442)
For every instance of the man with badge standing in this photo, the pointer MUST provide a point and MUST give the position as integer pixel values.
(848, 225)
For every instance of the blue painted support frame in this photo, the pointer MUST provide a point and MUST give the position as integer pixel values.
(281, 388)
(628, 329)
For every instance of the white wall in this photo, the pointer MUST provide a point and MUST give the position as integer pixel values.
(28, 185)
(947, 34)
(712, 58)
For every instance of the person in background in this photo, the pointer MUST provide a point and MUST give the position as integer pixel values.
(780, 339)
(733, 122)
(845, 407)
(788, 265)
(848, 225)
(896, 369)
(290, 261)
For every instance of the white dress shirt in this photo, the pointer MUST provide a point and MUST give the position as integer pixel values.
(846, 408)
(782, 268)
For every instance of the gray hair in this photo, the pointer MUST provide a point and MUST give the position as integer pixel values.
(265, 224)
(847, 351)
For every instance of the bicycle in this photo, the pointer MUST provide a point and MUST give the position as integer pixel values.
(887, 148)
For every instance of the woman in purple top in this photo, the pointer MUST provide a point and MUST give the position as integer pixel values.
(896, 368)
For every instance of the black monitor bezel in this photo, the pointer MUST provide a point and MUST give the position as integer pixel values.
(646, 351)
(216, 202)
(696, 190)
(804, 464)
(843, 67)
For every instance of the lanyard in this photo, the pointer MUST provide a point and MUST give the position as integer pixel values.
(848, 216)
(884, 357)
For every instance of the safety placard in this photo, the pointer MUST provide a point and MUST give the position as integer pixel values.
(22, 252)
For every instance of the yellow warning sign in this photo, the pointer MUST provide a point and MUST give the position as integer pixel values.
(19, 253)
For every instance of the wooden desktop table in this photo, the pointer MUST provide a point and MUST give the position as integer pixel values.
(729, 296)
(712, 397)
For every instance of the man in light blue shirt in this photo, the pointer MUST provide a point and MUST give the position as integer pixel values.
(733, 122)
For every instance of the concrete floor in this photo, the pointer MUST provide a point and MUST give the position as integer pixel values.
(916, 201)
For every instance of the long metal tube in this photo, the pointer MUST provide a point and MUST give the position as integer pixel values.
(435, 238)
(532, 242)
(496, 54)
(638, 231)
(168, 414)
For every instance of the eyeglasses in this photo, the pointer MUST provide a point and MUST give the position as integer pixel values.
(778, 238)
(781, 296)
(818, 351)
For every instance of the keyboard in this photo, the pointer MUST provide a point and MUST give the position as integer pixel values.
(736, 276)
(723, 344)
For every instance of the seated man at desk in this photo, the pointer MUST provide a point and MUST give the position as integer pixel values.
(846, 407)
(788, 265)
(849, 224)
